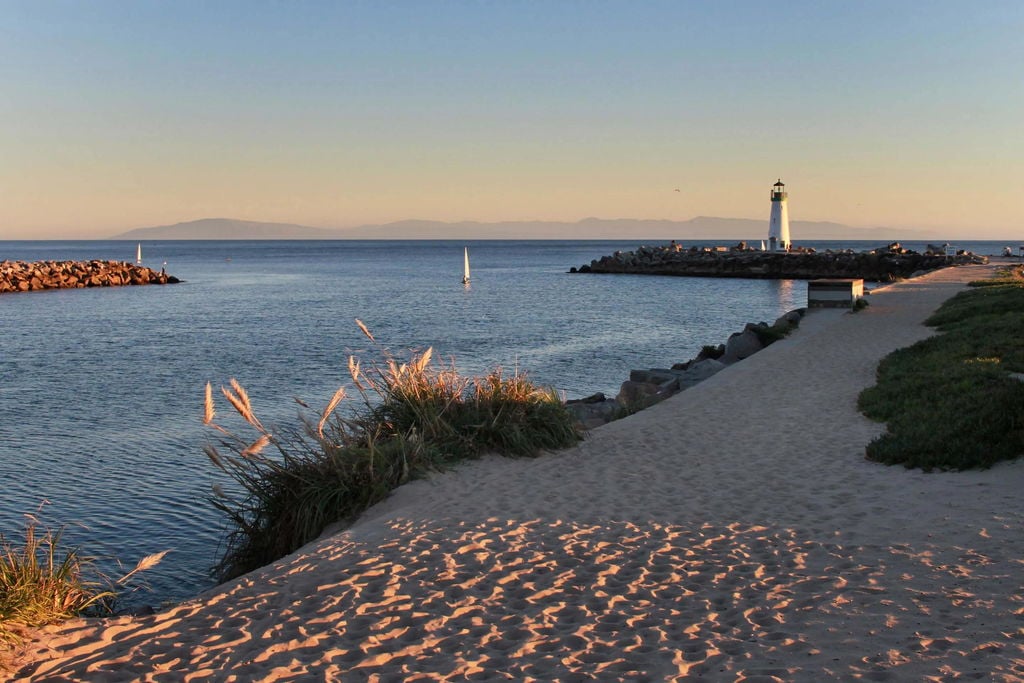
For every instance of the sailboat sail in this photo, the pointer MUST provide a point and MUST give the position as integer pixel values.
(138, 254)
(465, 270)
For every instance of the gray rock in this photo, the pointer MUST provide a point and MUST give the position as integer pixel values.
(795, 315)
(783, 323)
(662, 375)
(657, 376)
(741, 345)
(640, 376)
(599, 397)
(592, 414)
(635, 395)
(669, 386)
(700, 371)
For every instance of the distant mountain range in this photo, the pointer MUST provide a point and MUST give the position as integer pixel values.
(702, 228)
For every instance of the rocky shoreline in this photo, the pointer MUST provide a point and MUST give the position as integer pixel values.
(21, 276)
(644, 388)
(886, 264)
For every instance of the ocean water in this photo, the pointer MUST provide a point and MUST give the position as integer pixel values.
(101, 390)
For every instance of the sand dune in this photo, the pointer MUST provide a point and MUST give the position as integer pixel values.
(733, 532)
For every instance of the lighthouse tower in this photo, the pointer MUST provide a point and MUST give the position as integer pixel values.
(778, 223)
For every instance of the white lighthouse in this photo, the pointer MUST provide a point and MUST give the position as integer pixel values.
(778, 223)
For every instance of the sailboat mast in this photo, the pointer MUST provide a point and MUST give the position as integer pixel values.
(465, 269)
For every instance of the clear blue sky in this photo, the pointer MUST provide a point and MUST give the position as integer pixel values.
(128, 114)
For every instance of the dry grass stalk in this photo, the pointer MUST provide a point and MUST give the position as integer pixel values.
(365, 331)
(213, 454)
(355, 371)
(256, 446)
(424, 360)
(208, 411)
(331, 405)
(239, 400)
(148, 562)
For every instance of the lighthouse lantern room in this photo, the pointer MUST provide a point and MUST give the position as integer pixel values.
(778, 222)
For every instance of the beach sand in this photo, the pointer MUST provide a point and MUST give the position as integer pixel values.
(732, 532)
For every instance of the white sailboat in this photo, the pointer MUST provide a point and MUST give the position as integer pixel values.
(762, 245)
(138, 254)
(465, 270)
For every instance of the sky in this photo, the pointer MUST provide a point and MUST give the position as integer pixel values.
(117, 115)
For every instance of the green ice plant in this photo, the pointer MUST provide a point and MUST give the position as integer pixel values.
(955, 401)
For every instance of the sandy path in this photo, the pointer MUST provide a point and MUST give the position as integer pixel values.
(733, 532)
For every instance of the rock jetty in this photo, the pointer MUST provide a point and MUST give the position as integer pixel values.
(21, 276)
(885, 264)
(644, 388)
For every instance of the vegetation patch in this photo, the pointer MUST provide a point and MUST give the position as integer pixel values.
(42, 582)
(768, 335)
(711, 351)
(951, 402)
(411, 419)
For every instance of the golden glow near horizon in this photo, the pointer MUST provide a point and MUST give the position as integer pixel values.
(341, 116)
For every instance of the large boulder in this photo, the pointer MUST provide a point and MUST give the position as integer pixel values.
(594, 411)
(741, 345)
(698, 371)
(636, 395)
(666, 380)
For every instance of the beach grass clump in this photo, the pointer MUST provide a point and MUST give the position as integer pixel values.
(954, 401)
(41, 582)
(462, 417)
(412, 419)
(314, 479)
(44, 582)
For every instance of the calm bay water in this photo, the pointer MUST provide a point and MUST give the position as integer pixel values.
(101, 389)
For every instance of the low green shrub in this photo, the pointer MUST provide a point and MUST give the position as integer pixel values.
(950, 401)
(413, 419)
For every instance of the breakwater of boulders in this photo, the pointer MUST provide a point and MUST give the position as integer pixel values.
(885, 264)
(22, 276)
(645, 387)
